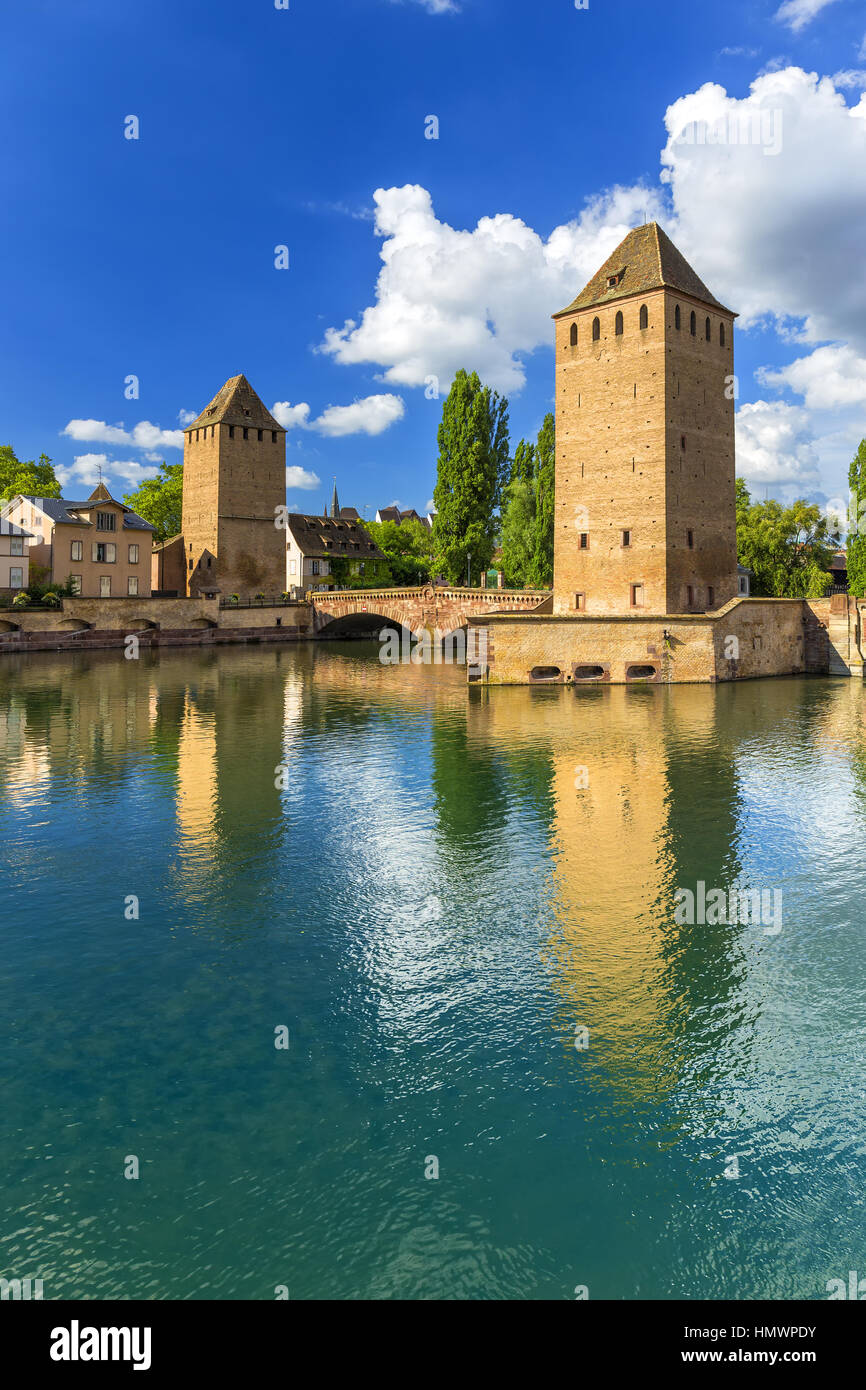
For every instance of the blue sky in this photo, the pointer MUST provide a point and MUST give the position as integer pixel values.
(305, 128)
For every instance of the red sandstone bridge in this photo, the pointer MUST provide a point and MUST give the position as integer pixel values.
(429, 607)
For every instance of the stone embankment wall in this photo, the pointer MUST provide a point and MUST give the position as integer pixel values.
(93, 622)
(747, 638)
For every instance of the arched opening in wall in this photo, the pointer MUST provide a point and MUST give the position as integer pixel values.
(202, 622)
(618, 325)
(589, 673)
(644, 316)
(708, 329)
(640, 673)
(678, 318)
(573, 335)
(142, 625)
(721, 335)
(596, 330)
(541, 674)
(8, 627)
(73, 625)
(693, 324)
(363, 627)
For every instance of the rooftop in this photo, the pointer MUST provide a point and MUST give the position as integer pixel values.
(646, 259)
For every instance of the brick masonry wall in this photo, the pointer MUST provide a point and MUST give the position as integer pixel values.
(624, 405)
(751, 637)
(231, 489)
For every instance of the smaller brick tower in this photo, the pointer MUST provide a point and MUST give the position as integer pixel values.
(234, 479)
(645, 510)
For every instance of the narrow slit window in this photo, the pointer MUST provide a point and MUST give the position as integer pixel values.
(618, 324)
(596, 330)
(644, 316)
(573, 335)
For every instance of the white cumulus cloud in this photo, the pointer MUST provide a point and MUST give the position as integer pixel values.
(771, 208)
(143, 435)
(85, 469)
(370, 415)
(828, 378)
(301, 478)
(775, 447)
(448, 298)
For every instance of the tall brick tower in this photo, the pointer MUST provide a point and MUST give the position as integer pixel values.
(234, 478)
(645, 510)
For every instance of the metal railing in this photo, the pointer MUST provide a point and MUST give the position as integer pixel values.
(259, 603)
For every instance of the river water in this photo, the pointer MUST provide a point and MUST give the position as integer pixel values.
(513, 1069)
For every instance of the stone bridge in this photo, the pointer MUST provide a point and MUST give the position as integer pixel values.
(430, 607)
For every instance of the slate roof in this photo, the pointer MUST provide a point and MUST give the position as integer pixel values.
(645, 260)
(59, 510)
(236, 403)
(323, 537)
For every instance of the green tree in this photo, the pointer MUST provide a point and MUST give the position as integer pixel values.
(788, 549)
(541, 572)
(518, 532)
(33, 479)
(523, 463)
(407, 547)
(856, 545)
(159, 500)
(472, 469)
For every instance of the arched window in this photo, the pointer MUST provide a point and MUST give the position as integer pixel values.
(596, 330)
(574, 335)
(677, 318)
(644, 316)
(721, 335)
(618, 324)
(693, 324)
(708, 329)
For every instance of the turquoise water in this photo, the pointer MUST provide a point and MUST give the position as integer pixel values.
(433, 908)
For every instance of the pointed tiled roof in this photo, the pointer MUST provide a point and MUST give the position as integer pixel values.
(645, 260)
(335, 502)
(236, 403)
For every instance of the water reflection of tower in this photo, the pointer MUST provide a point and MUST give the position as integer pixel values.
(643, 800)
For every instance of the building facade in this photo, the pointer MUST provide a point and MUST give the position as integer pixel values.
(326, 552)
(14, 558)
(645, 512)
(101, 544)
(234, 485)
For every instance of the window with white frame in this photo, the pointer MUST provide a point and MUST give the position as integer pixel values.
(76, 550)
(16, 577)
(105, 586)
(133, 555)
(132, 584)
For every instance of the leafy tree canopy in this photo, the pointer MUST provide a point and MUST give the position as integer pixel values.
(857, 523)
(788, 548)
(33, 478)
(159, 500)
(472, 468)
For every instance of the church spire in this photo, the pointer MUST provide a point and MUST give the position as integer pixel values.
(335, 503)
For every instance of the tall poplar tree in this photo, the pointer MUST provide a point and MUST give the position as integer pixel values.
(541, 572)
(856, 544)
(472, 469)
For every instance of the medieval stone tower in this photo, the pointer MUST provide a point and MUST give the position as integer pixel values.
(645, 510)
(234, 478)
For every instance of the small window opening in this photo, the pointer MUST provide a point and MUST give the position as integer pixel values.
(596, 330)
(573, 335)
(584, 540)
(626, 538)
(644, 316)
(677, 318)
(618, 325)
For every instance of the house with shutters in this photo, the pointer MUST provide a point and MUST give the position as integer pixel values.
(14, 558)
(101, 544)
